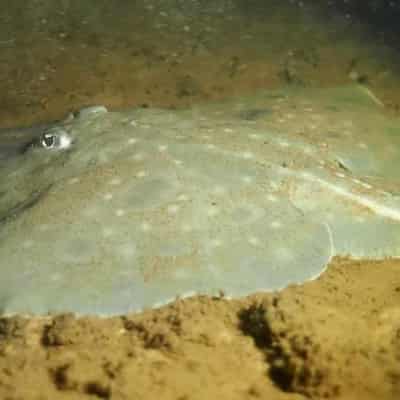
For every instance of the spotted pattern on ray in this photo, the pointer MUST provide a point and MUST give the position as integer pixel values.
(249, 194)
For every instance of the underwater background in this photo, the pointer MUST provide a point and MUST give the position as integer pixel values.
(154, 152)
(62, 55)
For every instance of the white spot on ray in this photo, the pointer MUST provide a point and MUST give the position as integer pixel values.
(187, 228)
(254, 241)
(283, 143)
(366, 185)
(211, 212)
(213, 269)
(284, 254)
(43, 227)
(115, 181)
(73, 181)
(219, 190)
(247, 155)
(276, 224)
(27, 244)
(330, 216)
(141, 174)
(247, 179)
(90, 212)
(138, 156)
(306, 175)
(107, 196)
(348, 123)
(308, 150)
(183, 197)
(173, 209)
(317, 117)
(119, 212)
(55, 277)
(361, 183)
(145, 227)
(272, 198)
(103, 157)
(127, 251)
(132, 141)
(107, 232)
(180, 273)
(216, 243)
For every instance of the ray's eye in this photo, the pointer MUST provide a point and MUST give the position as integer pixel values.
(56, 138)
(48, 140)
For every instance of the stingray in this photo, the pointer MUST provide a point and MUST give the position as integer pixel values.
(112, 212)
